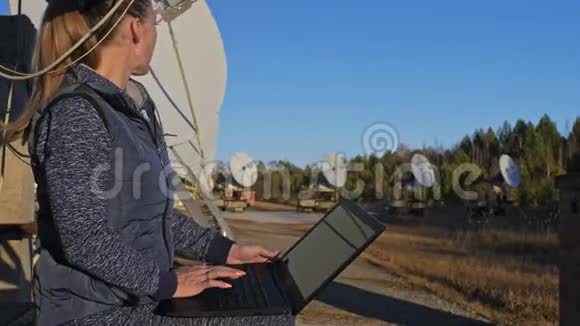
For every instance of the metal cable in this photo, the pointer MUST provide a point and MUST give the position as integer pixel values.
(17, 152)
(18, 155)
(187, 92)
(220, 221)
(175, 106)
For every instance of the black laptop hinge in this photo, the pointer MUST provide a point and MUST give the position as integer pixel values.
(287, 287)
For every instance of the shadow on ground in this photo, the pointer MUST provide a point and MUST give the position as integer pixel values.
(391, 310)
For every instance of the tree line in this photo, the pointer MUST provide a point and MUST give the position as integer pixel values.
(540, 150)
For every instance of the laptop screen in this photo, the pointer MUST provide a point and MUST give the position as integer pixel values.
(330, 245)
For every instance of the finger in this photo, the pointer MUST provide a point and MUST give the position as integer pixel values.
(189, 269)
(216, 284)
(260, 260)
(199, 270)
(226, 272)
(268, 253)
(198, 276)
(226, 268)
(201, 280)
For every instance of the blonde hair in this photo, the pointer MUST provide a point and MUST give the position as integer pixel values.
(63, 25)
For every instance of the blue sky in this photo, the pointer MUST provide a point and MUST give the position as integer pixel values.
(307, 77)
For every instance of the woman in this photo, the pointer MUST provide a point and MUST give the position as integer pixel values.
(107, 227)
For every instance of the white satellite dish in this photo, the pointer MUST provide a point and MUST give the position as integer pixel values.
(187, 82)
(509, 171)
(189, 99)
(206, 181)
(244, 169)
(334, 168)
(423, 170)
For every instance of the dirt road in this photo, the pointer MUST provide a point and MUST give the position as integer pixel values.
(363, 294)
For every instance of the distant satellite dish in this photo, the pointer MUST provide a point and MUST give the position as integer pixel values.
(205, 180)
(244, 169)
(423, 170)
(211, 184)
(509, 171)
(334, 169)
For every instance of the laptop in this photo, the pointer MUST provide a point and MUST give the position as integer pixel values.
(287, 284)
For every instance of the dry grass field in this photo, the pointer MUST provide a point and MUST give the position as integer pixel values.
(508, 276)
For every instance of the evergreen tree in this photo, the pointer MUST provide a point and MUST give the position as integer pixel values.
(503, 134)
(540, 150)
(574, 148)
(551, 136)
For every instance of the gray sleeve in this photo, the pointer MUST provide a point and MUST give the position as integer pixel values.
(73, 142)
(197, 242)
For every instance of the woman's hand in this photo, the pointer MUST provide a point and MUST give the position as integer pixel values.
(240, 254)
(193, 280)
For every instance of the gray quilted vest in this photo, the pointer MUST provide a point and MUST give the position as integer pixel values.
(139, 207)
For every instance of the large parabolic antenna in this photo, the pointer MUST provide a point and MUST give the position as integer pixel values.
(334, 168)
(187, 83)
(509, 171)
(423, 170)
(244, 169)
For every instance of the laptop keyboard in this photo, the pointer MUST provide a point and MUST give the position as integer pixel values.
(248, 291)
